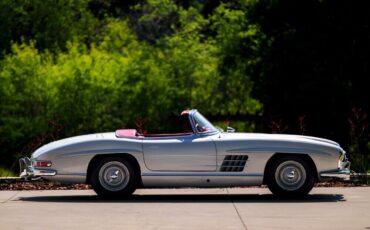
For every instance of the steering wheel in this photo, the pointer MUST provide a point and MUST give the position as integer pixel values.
(199, 128)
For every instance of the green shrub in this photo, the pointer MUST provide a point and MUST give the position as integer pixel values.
(6, 173)
(113, 84)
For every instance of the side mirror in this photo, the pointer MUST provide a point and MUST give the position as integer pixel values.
(230, 130)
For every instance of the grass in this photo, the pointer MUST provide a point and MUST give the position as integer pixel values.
(6, 173)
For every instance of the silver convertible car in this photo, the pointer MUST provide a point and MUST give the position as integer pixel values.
(196, 154)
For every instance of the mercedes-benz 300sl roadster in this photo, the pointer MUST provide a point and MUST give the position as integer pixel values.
(195, 154)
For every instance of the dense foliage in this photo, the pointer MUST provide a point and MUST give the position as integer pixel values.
(75, 67)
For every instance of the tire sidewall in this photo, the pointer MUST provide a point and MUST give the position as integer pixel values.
(303, 190)
(127, 190)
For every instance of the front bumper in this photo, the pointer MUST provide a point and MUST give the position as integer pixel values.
(342, 173)
(27, 171)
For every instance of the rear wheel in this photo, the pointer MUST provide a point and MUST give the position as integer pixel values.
(114, 177)
(290, 176)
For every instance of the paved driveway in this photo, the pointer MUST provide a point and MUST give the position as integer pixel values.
(247, 208)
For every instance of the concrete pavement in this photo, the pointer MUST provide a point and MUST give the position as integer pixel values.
(235, 208)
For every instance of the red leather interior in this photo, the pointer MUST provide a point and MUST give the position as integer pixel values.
(126, 133)
(168, 135)
(130, 133)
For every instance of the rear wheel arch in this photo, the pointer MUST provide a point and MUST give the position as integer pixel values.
(277, 156)
(97, 158)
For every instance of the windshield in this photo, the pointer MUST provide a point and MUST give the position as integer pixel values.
(202, 124)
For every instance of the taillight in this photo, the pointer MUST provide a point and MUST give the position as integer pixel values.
(41, 163)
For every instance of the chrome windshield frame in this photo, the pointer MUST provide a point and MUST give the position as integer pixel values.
(193, 124)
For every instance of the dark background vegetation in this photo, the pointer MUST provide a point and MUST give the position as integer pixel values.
(282, 66)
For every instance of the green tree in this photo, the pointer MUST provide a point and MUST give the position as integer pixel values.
(69, 72)
(50, 23)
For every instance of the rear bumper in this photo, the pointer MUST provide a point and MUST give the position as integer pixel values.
(28, 171)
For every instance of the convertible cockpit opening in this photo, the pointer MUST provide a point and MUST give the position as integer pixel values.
(174, 125)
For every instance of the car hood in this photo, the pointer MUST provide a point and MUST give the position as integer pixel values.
(278, 138)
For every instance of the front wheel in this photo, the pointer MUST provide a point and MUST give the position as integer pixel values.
(114, 177)
(290, 176)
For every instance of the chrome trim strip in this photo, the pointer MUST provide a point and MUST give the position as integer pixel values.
(190, 174)
(340, 174)
(44, 172)
(99, 151)
(192, 122)
(72, 174)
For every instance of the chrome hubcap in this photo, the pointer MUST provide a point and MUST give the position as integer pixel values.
(114, 176)
(290, 175)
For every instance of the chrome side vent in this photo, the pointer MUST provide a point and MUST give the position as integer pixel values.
(234, 163)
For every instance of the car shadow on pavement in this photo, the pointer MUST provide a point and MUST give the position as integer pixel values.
(188, 198)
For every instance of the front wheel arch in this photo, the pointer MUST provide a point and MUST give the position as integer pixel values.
(277, 156)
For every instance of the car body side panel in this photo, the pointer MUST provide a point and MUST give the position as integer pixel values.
(191, 161)
(256, 159)
(260, 147)
(200, 179)
(72, 158)
(183, 153)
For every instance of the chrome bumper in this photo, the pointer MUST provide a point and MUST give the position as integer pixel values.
(342, 173)
(27, 171)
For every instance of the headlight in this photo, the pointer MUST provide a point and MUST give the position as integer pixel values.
(343, 161)
(342, 156)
